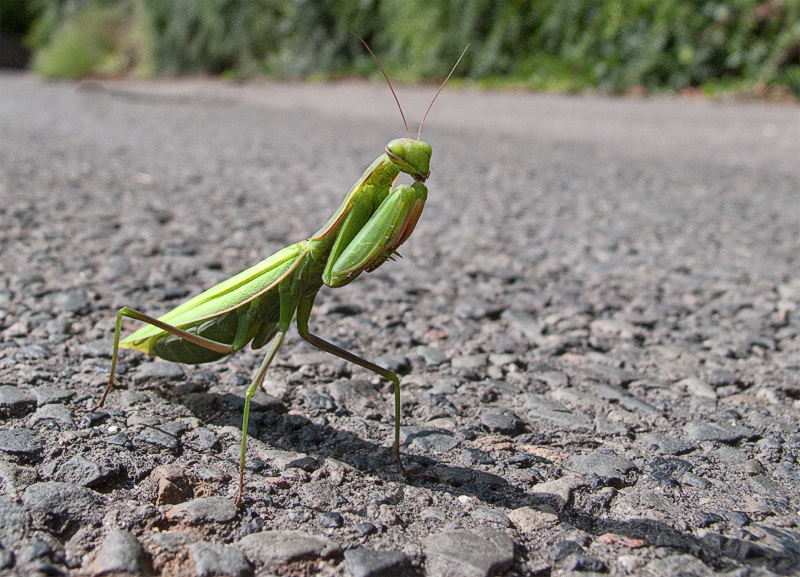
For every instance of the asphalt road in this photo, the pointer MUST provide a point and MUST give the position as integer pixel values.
(597, 321)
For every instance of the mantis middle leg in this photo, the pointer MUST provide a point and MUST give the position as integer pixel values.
(304, 307)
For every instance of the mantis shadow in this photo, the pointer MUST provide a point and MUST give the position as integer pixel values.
(296, 433)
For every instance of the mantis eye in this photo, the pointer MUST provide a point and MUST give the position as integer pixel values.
(395, 148)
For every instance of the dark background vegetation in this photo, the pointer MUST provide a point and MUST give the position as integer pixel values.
(617, 46)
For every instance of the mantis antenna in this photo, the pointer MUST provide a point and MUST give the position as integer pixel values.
(386, 76)
(419, 132)
(397, 100)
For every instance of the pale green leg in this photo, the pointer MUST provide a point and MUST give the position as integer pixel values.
(251, 391)
(136, 315)
(303, 313)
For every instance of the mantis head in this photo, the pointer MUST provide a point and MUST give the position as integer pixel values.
(411, 156)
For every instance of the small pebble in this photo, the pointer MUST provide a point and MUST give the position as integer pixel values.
(120, 552)
(15, 402)
(330, 520)
(502, 421)
(277, 546)
(365, 528)
(369, 563)
(482, 552)
(20, 442)
(215, 559)
(204, 510)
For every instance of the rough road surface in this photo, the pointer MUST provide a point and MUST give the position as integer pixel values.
(597, 322)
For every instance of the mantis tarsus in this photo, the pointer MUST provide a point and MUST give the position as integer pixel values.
(258, 305)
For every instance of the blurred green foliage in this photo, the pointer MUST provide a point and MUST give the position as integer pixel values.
(565, 45)
(71, 39)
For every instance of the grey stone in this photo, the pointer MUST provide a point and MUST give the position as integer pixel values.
(554, 379)
(678, 565)
(698, 388)
(272, 547)
(171, 541)
(441, 402)
(318, 401)
(361, 397)
(398, 364)
(16, 477)
(7, 559)
(14, 402)
(55, 412)
(606, 465)
(430, 356)
(121, 440)
(502, 421)
(158, 370)
(722, 378)
(365, 528)
(116, 267)
(155, 436)
(307, 463)
(763, 485)
(329, 520)
(427, 440)
(37, 352)
(20, 442)
(540, 407)
(84, 472)
(477, 457)
(666, 445)
(559, 491)
(216, 559)
(119, 553)
(60, 506)
(204, 510)
(670, 467)
(48, 394)
(523, 322)
(469, 362)
(738, 518)
(174, 428)
(624, 398)
(695, 480)
(560, 550)
(729, 455)
(369, 563)
(584, 563)
(70, 301)
(502, 359)
(39, 551)
(721, 432)
(491, 516)
(15, 524)
(463, 553)
(201, 439)
(283, 460)
(532, 519)
(476, 309)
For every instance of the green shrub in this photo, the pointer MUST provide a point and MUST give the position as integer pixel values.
(92, 37)
(609, 45)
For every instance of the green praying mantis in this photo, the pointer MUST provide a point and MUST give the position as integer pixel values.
(258, 305)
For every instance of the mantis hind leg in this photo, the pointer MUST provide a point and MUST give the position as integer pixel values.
(136, 315)
(303, 314)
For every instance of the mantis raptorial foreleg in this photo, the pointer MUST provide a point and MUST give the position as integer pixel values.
(257, 306)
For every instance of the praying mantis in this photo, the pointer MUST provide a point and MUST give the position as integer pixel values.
(258, 305)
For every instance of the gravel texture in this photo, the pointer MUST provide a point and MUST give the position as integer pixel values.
(597, 323)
